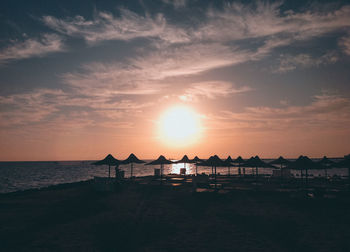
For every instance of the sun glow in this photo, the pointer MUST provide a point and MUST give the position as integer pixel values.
(180, 126)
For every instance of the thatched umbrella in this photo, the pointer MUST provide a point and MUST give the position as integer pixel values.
(303, 163)
(228, 163)
(108, 160)
(282, 162)
(257, 162)
(345, 163)
(213, 161)
(185, 160)
(160, 161)
(239, 161)
(132, 159)
(326, 163)
(196, 160)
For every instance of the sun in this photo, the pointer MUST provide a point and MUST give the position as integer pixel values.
(180, 125)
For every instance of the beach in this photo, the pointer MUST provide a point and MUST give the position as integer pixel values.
(150, 217)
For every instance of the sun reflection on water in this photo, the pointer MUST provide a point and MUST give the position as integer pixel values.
(175, 168)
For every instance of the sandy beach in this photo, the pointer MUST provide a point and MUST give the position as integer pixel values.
(136, 217)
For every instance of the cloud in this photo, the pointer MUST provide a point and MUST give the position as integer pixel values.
(48, 43)
(211, 90)
(265, 19)
(147, 74)
(105, 26)
(325, 112)
(44, 106)
(176, 3)
(289, 62)
(345, 44)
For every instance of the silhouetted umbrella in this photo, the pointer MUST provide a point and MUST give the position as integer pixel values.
(108, 160)
(196, 160)
(303, 163)
(132, 159)
(239, 161)
(160, 161)
(257, 162)
(326, 163)
(213, 161)
(228, 163)
(280, 161)
(185, 160)
(345, 163)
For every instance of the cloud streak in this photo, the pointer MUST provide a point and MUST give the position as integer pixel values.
(325, 112)
(211, 90)
(105, 26)
(291, 62)
(47, 43)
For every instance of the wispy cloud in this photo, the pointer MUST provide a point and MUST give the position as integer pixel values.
(325, 112)
(46, 44)
(289, 62)
(47, 105)
(345, 44)
(105, 26)
(261, 19)
(176, 3)
(211, 90)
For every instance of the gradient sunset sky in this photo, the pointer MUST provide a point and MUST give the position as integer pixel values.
(81, 79)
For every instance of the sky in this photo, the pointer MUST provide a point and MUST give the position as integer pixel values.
(81, 79)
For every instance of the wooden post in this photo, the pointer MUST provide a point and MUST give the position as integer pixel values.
(215, 177)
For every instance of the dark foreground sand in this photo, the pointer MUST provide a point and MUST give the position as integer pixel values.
(149, 218)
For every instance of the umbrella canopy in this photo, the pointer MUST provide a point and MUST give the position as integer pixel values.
(326, 162)
(108, 160)
(213, 161)
(228, 163)
(132, 159)
(238, 160)
(160, 161)
(303, 163)
(345, 163)
(185, 160)
(257, 162)
(280, 161)
(196, 160)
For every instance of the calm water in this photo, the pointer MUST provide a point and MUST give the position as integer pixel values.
(15, 176)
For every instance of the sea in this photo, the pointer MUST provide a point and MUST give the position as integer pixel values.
(18, 176)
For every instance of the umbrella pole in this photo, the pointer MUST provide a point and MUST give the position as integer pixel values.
(215, 177)
(196, 169)
(131, 169)
(161, 173)
(109, 171)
